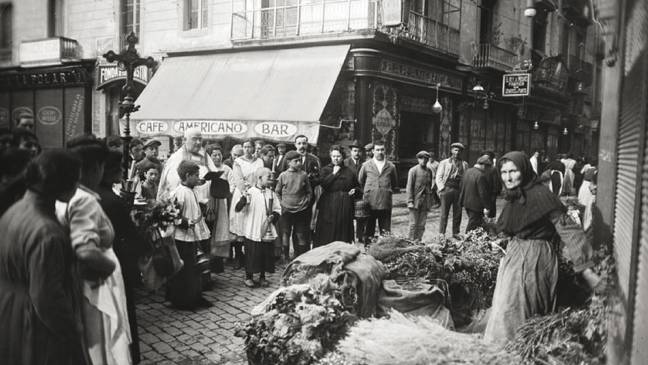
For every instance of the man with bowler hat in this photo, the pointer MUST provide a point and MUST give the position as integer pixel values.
(448, 181)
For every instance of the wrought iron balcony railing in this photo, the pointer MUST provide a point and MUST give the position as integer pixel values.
(433, 33)
(490, 56)
(323, 17)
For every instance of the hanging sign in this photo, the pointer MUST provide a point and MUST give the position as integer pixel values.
(110, 73)
(516, 84)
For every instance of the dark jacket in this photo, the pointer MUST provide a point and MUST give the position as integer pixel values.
(355, 167)
(475, 194)
(419, 187)
(378, 186)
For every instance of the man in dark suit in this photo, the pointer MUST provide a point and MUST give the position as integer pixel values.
(310, 163)
(281, 153)
(475, 195)
(354, 161)
(378, 179)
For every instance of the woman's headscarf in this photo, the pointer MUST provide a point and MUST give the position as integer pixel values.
(528, 202)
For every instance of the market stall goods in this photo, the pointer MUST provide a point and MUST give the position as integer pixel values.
(409, 340)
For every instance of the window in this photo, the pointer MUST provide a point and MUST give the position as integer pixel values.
(130, 17)
(486, 26)
(55, 18)
(195, 14)
(6, 24)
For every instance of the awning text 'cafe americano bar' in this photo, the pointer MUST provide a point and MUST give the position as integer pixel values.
(270, 94)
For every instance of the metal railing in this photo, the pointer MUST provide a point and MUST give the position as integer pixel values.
(488, 55)
(433, 33)
(305, 19)
(69, 48)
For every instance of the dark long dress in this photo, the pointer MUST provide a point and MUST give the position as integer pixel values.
(129, 245)
(37, 320)
(335, 217)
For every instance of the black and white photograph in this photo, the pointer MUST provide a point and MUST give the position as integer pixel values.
(323, 182)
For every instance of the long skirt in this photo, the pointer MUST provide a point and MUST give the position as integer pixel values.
(259, 257)
(184, 288)
(220, 234)
(335, 218)
(526, 286)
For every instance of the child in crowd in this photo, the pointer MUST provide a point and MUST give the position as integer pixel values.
(295, 193)
(260, 210)
(151, 179)
(184, 288)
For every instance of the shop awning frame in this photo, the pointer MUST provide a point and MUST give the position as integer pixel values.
(273, 94)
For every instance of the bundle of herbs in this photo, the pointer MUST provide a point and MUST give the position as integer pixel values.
(297, 325)
(573, 335)
(468, 267)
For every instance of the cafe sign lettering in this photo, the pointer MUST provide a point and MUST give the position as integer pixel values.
(211, 127)
(275, 129)
(110, 73)
(516, 84)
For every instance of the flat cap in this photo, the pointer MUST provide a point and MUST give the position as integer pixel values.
(423, 154)
(152, 142)
(291, 155)
(458, 145)
(281, 144)
(369, 146)
(485, 160)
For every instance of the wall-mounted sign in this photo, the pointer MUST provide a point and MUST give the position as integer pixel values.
(110, 73)
(516, 84)
(49, 115)
(275, 129)
(20, 110)
(421, 75)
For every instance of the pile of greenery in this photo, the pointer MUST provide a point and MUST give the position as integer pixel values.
(466, 267)
(573, 335)
(298, 325)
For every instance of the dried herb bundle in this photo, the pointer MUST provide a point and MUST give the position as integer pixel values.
(298, 326)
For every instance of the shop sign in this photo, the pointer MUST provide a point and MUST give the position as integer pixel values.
(391, 12)
(110, 73)
(275, 129)
(384, 122)
(421, 75)
(24, 80)
(49, 115)
(212, 127)
(516, 84)
(20, 110)
(152, 127)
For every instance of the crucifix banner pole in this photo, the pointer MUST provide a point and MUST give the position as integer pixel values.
(129, 59)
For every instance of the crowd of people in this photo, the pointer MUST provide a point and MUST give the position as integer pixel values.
(70, 252)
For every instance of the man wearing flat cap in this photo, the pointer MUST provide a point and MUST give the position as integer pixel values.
(476, 196)
(150, 157)
(448, 181)
(368, 151)
(419, 195)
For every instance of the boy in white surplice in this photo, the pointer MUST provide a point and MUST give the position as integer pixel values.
(260, 210)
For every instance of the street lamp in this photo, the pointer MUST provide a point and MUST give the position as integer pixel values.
(129, 59)
(437, 107)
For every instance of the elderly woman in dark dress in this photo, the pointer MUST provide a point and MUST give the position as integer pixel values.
(37, 312)
(528, 274)
(335, 217)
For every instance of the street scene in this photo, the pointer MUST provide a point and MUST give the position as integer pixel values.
(323, 182)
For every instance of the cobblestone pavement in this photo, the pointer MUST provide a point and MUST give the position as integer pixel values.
(206, 336)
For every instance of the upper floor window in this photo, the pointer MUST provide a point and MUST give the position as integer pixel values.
(6, 24)
(55, 10)
(130, 17)
(195, 14)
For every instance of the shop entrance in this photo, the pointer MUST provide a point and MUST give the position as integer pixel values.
(417, 132)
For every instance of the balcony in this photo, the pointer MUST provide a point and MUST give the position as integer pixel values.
(490, 56)
(305, 19)
(49, 51)
(432, 33)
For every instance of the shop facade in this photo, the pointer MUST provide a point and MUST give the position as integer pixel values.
(59, 98)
